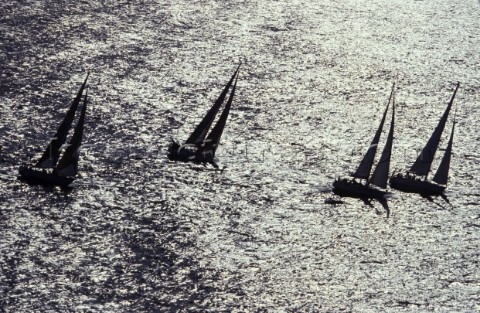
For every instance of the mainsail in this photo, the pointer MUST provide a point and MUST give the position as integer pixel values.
(213, 139)
(201, 130)
(68, 164)
(424, 161)
(52, 153)
(441, 176)
(380, 174)
(363, 170)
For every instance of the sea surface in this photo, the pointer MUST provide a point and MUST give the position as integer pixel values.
(140, 233)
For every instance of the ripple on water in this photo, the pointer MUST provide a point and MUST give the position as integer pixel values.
(140, 233)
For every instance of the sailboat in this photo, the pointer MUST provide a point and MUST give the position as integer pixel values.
(352, 188)
(53, 168)
(200, 147)
(412, 180)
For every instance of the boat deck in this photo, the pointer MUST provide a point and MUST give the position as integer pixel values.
(350, 188)
(413, 184)
(42, 177)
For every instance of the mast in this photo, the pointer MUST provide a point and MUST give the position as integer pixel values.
(365, 167)
(380, 174)
(424, 161)
(68, 164)
(441, 176)
(213, 139)
(201, 130)
(52, 152)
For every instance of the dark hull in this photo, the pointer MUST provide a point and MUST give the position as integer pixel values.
(348, 188)
(414, 185)
(37, 177)
(189, 154)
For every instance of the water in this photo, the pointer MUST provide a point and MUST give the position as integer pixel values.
(139, 233)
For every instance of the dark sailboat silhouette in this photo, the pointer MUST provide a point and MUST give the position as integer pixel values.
(412, 180)
(199, 147)
(350, 187)
(47, 171)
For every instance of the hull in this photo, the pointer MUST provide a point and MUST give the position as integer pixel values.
(414, 185)
(348, 188)
(177, 152)
(38, 177)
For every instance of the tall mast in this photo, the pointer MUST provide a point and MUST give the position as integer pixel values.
(380, 174)
(213, 139)
(365, 167)
(68, 164)
(52, 152)
(424, 161)
(441, 176)
(200, 132)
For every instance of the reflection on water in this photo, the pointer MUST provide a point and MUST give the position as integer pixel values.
(140, 233)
